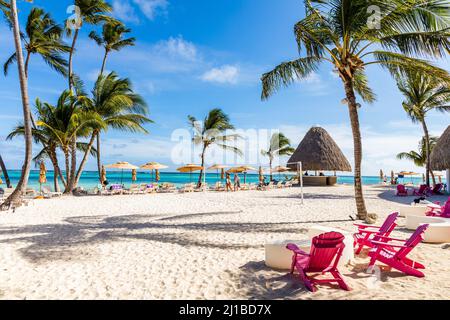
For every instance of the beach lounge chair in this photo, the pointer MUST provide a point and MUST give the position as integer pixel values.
(324, 256)
(288, 184)
(438, 188)
(253, 186)
(167, 188)
(367, 233)
(245, 187)
(48, 193)
(393, 252)
(402, 191)
(443, 212)
(279, 185)
(423, 191)
(188, 187)
(219, 187)
(134, 189)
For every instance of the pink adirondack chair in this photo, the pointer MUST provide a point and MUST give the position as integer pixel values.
(367, 233)
(443, 211)
(402, 191)
(326, 251)
(423, 191)
(395, 255)
(437, 190)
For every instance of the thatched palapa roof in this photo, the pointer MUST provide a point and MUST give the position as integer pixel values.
(440, 157)
(318, 151)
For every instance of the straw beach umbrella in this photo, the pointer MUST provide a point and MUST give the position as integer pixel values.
(242, 169)
(281, 169)
(190, 168)
(221, 168)
(122, 165)
(261, 174)
(440, 156)
(153, 166)
(319, 152)
(103, 175)
(42, 176)
(246, 170)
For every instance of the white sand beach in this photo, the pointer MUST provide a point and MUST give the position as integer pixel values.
(192, 246)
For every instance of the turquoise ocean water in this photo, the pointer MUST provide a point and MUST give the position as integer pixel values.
(89, 179)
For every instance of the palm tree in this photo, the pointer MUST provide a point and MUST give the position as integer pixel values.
(420, 157)
(23, 181)
(344, 33)
(112, 39)
(91, 12)
(213, 132)
(279, 146)
(424, 94)
(66, 123)
(118, 107)
(5, 172)
(43, 37)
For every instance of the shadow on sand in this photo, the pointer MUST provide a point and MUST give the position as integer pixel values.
(65, 240)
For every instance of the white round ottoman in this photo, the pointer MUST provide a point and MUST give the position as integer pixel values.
(437, 232)
(278, 257)
(417, 210)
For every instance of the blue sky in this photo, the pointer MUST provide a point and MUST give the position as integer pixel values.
(195, 55)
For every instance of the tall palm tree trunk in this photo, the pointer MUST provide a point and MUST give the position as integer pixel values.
(99, 160)
(5, 173)
(84, 160)
(56, 171)
(104, 62)
(357, 145)
(200, 178)
(67, 161)
(270, 166)
(72, 51)
(73, 164)
(427, 153)
(23, 182)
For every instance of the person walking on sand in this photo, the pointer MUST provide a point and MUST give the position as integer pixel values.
(237, 182)
(228, 183)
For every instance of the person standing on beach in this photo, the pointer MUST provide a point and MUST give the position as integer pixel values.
(228, 183)
(237, 182)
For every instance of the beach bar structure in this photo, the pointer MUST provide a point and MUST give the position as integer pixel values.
(440, 156)
(319, 152)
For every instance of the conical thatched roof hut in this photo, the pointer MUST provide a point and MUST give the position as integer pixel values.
(440, 157)
(319, 152)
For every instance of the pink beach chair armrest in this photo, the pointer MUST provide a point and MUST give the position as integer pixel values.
(392, 239)
(296, 250)
(384, 244)
(364, 226)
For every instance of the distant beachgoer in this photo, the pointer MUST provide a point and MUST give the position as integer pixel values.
(228, 183)
(306, 174)
(321, 174)
(237, 182)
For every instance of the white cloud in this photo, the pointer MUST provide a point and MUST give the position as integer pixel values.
(178, 47)
(123, 10)
(152, 8)
(225, 75)
(93, 75)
